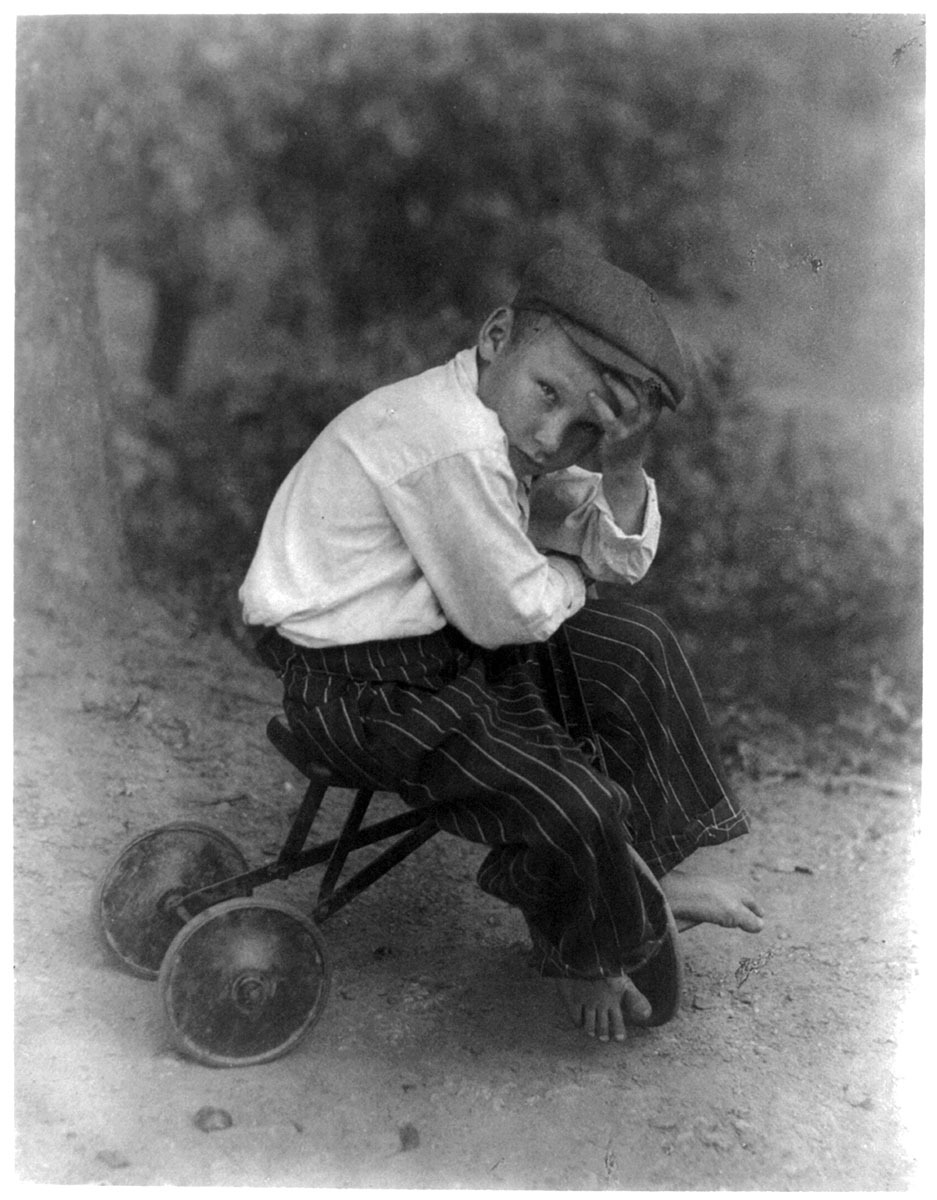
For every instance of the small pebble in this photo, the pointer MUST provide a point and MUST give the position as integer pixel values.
(409, 1136)
(857, 1097)
(112, 1158)
(210, 1120)
(715, 1138)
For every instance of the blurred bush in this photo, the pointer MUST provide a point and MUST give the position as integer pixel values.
(409, 165)
(782, 584)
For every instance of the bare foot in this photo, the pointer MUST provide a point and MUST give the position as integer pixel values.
(601, 1006)
(694, 899)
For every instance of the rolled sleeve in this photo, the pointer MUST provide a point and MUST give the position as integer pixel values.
(575, 585)
(570, 514)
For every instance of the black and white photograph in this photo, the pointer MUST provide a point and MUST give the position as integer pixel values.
(468, 505)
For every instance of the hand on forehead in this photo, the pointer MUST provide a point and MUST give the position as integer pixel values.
(591, 381)
(627, 395)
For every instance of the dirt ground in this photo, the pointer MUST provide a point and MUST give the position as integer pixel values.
(441, 1060)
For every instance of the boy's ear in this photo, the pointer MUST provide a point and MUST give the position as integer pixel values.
(495, 333)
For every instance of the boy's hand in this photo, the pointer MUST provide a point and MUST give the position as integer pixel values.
(626, 419)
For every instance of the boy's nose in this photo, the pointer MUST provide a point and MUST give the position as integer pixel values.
(550, 436)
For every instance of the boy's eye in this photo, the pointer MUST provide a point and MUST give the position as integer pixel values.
(549, 394)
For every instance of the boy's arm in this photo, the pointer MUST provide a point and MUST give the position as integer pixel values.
(463, 523)
(615, 518)
(571, 514)
(627, 418)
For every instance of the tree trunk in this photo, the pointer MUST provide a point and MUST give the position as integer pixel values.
(176, 310)
(67, 527)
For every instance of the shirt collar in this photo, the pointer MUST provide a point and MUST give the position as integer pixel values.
(466, 369)
(465, 365)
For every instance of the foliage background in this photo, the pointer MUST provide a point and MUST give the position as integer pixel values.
(295, 209)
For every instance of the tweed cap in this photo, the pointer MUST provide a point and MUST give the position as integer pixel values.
(611, 315)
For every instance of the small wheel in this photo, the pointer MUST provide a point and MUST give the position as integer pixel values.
(167, 862)
(244, 981)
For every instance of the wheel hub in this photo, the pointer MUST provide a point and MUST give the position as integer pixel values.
(251, 991)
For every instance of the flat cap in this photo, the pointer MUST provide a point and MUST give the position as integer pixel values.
(611, 315)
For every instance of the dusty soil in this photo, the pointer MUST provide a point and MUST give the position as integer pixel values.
(440, 1060)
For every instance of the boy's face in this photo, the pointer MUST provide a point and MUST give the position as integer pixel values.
(539, 388)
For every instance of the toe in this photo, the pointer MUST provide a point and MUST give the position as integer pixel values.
(635, 1005)
(617, 1024)
(752, 916)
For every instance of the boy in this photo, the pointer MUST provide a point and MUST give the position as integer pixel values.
(433, 533)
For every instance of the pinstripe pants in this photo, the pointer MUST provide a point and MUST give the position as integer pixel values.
(444, 722)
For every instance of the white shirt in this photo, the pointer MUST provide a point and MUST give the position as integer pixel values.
(404, 515)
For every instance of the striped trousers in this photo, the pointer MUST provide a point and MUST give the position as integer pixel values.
(444, 722)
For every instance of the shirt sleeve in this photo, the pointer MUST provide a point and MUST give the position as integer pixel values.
(569, 514)
(464, 525)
